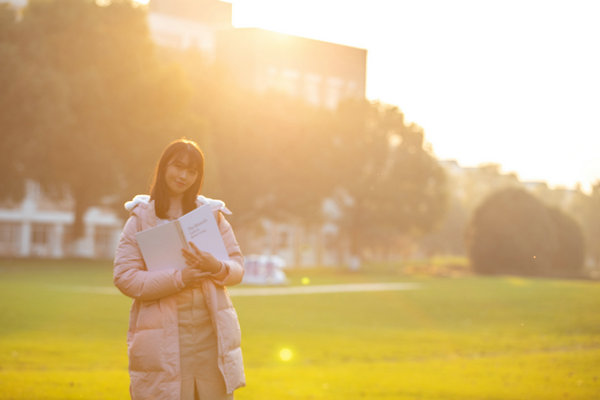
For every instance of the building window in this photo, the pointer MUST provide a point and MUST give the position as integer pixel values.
(169, 39)
(289, 82)
(352, 89)
(10, 238)
(333, 92)
(272, 77)
(284, 81)
(312, 89)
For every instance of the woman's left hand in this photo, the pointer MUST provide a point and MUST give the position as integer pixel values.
(201, 259)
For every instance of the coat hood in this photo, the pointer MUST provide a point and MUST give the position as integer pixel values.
(216, 205)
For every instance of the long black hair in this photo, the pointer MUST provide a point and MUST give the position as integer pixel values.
(159, 191)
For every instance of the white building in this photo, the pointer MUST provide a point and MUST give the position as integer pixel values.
(40, 227)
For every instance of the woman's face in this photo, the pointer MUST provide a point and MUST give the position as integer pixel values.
(180, 174)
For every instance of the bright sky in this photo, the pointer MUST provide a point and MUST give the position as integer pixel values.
(511, 82)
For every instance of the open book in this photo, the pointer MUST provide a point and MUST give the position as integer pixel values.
(161, 246)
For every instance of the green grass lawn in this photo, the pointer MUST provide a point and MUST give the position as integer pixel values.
(464, 338)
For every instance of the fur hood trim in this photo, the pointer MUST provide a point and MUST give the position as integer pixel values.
(216, 205)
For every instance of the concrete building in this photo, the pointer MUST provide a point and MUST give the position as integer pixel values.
(321, 73)
(183, 24)
(41, 227)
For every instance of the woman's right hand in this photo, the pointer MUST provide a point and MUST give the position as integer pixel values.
(191, 276)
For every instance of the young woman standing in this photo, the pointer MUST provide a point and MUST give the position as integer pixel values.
(184, 335)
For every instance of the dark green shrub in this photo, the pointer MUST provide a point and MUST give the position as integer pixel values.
(512, 232)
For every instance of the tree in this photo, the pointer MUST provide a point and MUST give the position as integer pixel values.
(90, 106)
(513, 232)
(265, 151)
(12, 68)
(448, 238)
(270, 157)
(394, 185)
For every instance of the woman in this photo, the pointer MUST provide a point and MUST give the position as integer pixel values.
(184, 335)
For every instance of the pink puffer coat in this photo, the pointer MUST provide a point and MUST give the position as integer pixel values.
(153, 336)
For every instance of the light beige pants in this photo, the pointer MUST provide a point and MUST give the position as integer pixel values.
(200, 375)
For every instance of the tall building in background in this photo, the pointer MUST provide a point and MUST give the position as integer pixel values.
(18, 4)
(183, 24)
(321, 73)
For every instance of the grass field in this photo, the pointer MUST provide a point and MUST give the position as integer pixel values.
(451, 339)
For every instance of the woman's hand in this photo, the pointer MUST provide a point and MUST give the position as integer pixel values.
(192, 276)
(201, 260)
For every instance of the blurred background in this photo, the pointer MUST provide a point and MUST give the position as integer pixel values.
(302, 129)
(421, 177)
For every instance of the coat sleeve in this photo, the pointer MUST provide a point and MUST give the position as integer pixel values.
(233, 270)
(130, 275)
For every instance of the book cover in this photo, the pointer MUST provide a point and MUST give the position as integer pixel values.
(161, 245)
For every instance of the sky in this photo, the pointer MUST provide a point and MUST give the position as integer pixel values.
(516, 83)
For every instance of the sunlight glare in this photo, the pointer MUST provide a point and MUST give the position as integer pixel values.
(290, 17)
(427, 65)
(286, 354)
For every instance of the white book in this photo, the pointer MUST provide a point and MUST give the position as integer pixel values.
(161, 245)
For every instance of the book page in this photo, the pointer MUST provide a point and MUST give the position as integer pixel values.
(161, 247)
(200, 227)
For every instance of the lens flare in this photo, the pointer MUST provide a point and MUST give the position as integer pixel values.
(285, 354)
(305, 280)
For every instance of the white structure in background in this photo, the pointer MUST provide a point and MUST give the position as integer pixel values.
(264, 270)
(39, 227)
(298, 245)
(18, 4)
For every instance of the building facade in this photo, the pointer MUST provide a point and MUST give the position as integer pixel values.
(321, 73)
(184, 24)
(41, 227)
